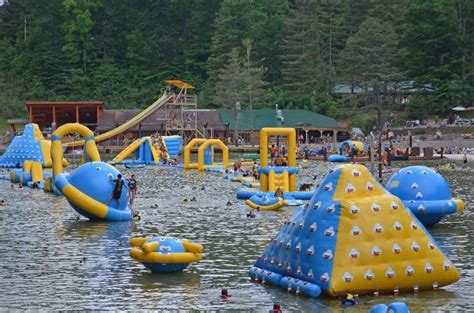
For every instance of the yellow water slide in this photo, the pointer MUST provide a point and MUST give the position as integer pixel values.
(129, 150)
(137, 119)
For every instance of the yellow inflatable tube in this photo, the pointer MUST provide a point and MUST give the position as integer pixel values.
(172, 258)
(272, 207)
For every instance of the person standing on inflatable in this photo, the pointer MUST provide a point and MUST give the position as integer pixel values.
(132, 189)
(117, 192)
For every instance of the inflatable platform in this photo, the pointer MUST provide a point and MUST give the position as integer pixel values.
(165, 254)
(354, 237)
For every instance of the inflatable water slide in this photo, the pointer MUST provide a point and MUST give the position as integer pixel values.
(137, 119)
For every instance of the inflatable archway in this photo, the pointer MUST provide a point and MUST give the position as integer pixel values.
(89, 187)
(264, 134)
(213, 142)
(187, 153)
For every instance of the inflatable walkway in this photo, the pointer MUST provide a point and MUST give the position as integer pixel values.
(29, 146)
(355, 237)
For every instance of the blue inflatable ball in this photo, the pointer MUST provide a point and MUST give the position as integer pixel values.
(424, 191)
(168, 245)
(95, 180)
(419, 183)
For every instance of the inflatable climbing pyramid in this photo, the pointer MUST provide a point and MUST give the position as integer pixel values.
(29, 146)
(353, 236)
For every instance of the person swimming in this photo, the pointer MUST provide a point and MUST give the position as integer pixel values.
(347, 299)
(252, 213)
(276, 308)
(225, 294)
(3, 202)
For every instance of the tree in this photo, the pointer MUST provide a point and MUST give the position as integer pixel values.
(301, 52)
(434, 51)
(370, 56)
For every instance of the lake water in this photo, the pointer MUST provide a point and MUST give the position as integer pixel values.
(51, 260)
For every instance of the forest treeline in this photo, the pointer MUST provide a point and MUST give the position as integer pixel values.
(258, 52)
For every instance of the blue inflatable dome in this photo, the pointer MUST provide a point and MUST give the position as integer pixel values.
(425, 192)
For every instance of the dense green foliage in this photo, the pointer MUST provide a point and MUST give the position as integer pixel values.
(257, 53)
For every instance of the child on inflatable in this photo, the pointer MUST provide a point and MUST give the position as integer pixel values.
(117, 192)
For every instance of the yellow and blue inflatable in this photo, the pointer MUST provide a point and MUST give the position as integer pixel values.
(29, 146)
(346, 149)
(355, 237)
(265, 202)
(89, 187)
(425, 192)
(165, 254)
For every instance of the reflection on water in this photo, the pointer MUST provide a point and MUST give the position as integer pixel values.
(51, 260)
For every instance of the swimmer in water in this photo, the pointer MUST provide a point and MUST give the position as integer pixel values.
(225, 294)
(347, 299)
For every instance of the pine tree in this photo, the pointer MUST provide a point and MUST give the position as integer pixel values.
(302, 70)
(434, 52)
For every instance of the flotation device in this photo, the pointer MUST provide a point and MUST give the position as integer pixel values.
(265, 203)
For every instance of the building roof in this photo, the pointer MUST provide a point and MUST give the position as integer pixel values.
(65, 103)
(267, 118)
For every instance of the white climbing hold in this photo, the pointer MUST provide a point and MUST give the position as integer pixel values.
(317, 205)
(409, 270)
(394, 205)
(330, 208)
(310, 250)
(356, 230)
(350, 188)
(376, 251)
(389, 272)
(354, 253)
(327, 254)
(369, 186)
(369, 275)
(378, 228)
(428, 268)
(414, 186)
(313, 227)
(354, 209)
(415, 246)
(375, 207)
(347, 277)
(324, 277)
(396, 248)
(419, 195)
(329, 231)
(397, 225)
(328, 187)
(355, 173)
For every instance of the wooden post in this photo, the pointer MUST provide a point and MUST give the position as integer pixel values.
(77, 113)
(54, 114)
(30, 113)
